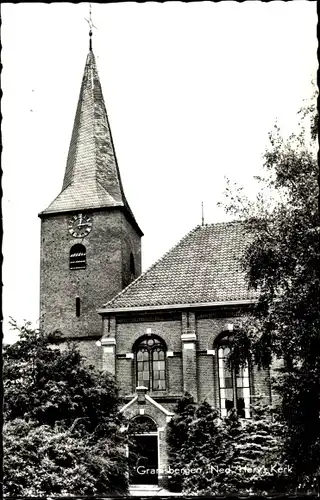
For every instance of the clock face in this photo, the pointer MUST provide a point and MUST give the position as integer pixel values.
(80, 225)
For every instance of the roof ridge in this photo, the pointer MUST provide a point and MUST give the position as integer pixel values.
(151, 267)
(235, 221)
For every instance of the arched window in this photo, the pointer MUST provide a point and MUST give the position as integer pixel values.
(132, 265)
(151, 363)
(234, 384)
(77, 258)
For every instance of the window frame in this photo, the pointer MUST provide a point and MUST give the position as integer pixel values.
(223, 341)
(158, 344)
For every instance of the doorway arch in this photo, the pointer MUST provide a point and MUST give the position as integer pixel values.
(143, 450)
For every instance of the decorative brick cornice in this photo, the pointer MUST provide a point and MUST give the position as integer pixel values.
(199, 305)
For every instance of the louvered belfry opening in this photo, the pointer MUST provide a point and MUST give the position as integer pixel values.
(78, 257)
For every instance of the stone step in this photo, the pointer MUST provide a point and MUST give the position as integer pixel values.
(145, 487)
(147, 490)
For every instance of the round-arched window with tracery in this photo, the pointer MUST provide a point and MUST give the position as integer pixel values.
(234, 383)
(151, 364)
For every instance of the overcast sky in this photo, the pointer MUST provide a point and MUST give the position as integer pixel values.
(191, 91)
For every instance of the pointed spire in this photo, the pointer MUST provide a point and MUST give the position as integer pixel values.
(90, 40)
(92, 177)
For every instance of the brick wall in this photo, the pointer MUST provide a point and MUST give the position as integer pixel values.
(187, 369)
(107, 246)
(126, 336)
(168, 330)
(206, 379)
(130, 243)
(91, 352)
(185, 366)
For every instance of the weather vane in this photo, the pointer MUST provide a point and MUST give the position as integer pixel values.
(91, 25)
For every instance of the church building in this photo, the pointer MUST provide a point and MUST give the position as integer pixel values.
(161, 333)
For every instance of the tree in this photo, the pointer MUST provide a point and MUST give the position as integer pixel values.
(282, 262)
(258, 461)
(208, 452)
(226, 456)
(177, 435)
(62, 421)
(40, 460)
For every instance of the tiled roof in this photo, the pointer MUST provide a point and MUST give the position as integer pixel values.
(92, 177)
(203, 267)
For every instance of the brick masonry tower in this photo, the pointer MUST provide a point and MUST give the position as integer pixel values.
(90, 240)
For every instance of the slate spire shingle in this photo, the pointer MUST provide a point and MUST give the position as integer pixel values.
(92, 178)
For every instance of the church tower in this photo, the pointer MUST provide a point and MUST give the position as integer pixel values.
(90, 240)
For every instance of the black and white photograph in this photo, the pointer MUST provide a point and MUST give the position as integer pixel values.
(161, 249)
